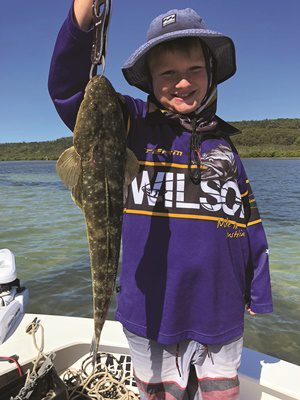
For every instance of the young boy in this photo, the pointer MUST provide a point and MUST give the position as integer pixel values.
(194, 249)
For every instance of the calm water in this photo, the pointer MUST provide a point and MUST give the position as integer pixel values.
(46, 232)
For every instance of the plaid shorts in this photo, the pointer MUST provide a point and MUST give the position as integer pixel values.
(186, 371)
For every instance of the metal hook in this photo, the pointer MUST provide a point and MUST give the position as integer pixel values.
(101, 21)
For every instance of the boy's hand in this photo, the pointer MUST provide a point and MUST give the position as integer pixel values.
(83, 14)
(250, 312)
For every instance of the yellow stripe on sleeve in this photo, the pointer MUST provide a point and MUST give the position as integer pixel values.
(254, 222)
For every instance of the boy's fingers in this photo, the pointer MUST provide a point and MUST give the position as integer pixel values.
(250, 311)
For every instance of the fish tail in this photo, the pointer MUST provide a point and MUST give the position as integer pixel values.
(94, 350)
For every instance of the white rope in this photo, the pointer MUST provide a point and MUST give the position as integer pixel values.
(32, 329)
(101, 384)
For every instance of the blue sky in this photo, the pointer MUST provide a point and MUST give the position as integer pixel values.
(266, 34)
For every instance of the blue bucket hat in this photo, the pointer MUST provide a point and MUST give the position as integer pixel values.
(178, 24)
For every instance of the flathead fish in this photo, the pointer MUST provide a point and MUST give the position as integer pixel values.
(94, 169)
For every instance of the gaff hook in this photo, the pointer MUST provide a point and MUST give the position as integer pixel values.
(101, 17)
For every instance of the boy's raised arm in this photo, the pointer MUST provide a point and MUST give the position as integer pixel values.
(71, 62)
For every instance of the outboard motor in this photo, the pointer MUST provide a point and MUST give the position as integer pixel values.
(13, 297)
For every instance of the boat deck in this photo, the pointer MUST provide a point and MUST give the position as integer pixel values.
(262, 377)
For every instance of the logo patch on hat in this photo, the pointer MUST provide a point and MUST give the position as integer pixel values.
(169, 19)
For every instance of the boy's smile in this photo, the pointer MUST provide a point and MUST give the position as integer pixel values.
(179, 79)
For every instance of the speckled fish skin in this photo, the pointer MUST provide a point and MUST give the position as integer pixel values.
(99, 139)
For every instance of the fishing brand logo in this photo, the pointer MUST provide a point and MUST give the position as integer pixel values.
(163, 151)
(169, 19)
(166, 189)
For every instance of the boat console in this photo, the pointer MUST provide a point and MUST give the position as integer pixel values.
(13, 297)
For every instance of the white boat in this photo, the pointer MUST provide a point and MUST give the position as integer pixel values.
(262, 377)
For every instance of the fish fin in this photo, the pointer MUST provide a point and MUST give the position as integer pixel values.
(131, 168)
(68, 167)
(76, 193)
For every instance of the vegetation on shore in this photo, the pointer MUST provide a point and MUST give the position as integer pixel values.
(266, 138)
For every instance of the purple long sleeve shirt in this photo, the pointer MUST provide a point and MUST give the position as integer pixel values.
(193, 255)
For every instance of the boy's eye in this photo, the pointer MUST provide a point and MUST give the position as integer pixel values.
(167, 73)
(192, 69)
(197, 68)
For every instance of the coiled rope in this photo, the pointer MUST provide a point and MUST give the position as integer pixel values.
(101, 383)
(109, 379)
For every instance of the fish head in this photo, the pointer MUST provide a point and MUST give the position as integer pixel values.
(86, 133)
(97, 112)
(220, 164)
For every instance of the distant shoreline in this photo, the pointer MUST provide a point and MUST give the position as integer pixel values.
(274, 138)
(244, 158)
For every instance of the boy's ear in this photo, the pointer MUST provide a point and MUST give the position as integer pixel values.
(150, 83)
(149, 73)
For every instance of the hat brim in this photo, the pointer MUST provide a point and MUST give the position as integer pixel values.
(135, 69)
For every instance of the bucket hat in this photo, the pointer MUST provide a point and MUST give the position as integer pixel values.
(178, 24)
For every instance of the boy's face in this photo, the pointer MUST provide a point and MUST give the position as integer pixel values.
(179, 79)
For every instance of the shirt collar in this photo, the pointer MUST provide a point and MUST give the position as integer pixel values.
(155, 115)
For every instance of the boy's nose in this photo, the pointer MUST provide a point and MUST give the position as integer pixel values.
(182, 82)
